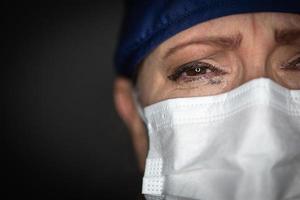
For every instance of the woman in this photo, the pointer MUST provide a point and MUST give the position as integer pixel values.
(214, 85)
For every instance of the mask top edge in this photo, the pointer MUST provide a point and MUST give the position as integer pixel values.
(232, 95)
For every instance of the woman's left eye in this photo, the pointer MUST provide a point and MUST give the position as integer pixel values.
(195, 70)
(292, 65)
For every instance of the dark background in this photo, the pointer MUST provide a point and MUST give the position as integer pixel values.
(62, 136)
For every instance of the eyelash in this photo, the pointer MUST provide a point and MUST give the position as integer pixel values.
(292, 65)
(198, 69)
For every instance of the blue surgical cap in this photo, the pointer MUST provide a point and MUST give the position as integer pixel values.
(147, 23)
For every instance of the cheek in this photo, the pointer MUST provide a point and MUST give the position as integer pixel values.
(290, 80)
(158, 88)
(150, 85)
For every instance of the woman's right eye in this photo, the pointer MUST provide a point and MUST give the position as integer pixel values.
(194, 71)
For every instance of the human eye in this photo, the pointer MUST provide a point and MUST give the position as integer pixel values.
(292, 65)
(288, 71)
(197, 71)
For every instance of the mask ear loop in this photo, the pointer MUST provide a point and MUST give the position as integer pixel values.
(138, 105)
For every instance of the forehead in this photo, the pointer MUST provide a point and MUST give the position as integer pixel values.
(233, 24)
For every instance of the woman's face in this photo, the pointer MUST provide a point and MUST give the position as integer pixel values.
(212, 58)
(221, 54)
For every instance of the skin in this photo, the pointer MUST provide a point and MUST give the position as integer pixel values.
(212, 58)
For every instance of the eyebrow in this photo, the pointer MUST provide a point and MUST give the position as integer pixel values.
(286, 36)
(230, 42)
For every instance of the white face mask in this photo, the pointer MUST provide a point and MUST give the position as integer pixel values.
(240, 145)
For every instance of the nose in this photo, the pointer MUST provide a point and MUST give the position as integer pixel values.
(254, 66)
(255, 59)
(255, 50)
(254, 71)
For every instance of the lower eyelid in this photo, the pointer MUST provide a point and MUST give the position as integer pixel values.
(205, 86)
(203, 78)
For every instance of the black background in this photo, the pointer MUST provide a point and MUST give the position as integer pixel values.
(62, 136)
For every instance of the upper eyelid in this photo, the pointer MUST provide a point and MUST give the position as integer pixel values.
(197, 54)
(224, 42)
(291, 61)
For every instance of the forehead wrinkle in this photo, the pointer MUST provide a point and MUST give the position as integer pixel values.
(228, 42)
